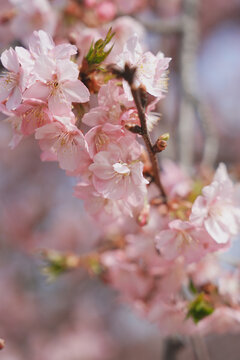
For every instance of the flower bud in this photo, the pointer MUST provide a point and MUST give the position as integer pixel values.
(161, 143)
(143, 217)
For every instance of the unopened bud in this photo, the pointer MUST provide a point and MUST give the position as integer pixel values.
(165, 136)
(143, 217)
(161, 143)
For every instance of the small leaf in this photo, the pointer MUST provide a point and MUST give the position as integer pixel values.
(97, 53)
(192, 287)
(199, 308)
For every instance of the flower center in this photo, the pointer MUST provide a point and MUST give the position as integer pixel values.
(121, 168)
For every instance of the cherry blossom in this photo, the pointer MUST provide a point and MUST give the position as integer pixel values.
(34, 114)
(159, 251)
(184, 239)
(99, 137)
(58, 84)
(111, 101)
(32, 15)
(66, 141)
(101, 208)
(13, 82)
(216, 210)
(117, 172)
(151, 69)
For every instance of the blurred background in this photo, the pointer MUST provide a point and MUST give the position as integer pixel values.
(78, 317)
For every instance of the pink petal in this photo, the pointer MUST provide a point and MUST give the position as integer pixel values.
(76, 91)
(64, 51)
(58, 105)
(44, 68)
(40, 43)
(14, 99)
(67, 70)
(216, 232)
(10, 60)
(37, 91)
(5, 89)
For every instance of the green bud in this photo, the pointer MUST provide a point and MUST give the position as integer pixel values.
(199, 308)
(97, 54)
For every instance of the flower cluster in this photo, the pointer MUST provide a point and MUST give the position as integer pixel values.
(49, 91)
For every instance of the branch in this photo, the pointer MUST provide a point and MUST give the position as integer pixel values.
(139, 96)
(147, 141)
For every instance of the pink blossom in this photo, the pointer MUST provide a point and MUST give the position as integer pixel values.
(13, 82)
(102, 209)
(32, 15)
(216, 210)
(117, 172)
(224, 319)
(83, 37)
(122, 27)
(100, 136)
(130, 116)
(34, 114)
(184, 239)
(111, 101)
(126, 277)
(151, 69)
(58, 84)
(175, 181)
(130, 6)
(16, 124)
(41, 43)
(106, 10)
(67, 142)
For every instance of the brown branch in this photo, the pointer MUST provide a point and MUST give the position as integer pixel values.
(139, 96)
(147, 141)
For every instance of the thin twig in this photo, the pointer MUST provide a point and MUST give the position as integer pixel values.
(147, 141)
(172, 346)
(139, 97)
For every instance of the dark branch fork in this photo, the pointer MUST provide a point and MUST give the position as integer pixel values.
(144, 132)
(128, 74)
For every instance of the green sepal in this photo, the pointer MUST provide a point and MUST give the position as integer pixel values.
(199, 308)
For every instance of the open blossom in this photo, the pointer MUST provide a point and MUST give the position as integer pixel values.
(103, 209)
(13, 82)
(184, 239)
(150, 69)
(57, 84)
(216, 210)
(66, 142)
(100, 136)
(117, 172)
(33, 114)
(175, 181)
(41, 43)
(130, 116)
(111, 102)
(123, 26)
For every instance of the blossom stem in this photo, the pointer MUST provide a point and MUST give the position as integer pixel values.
(147, 141)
